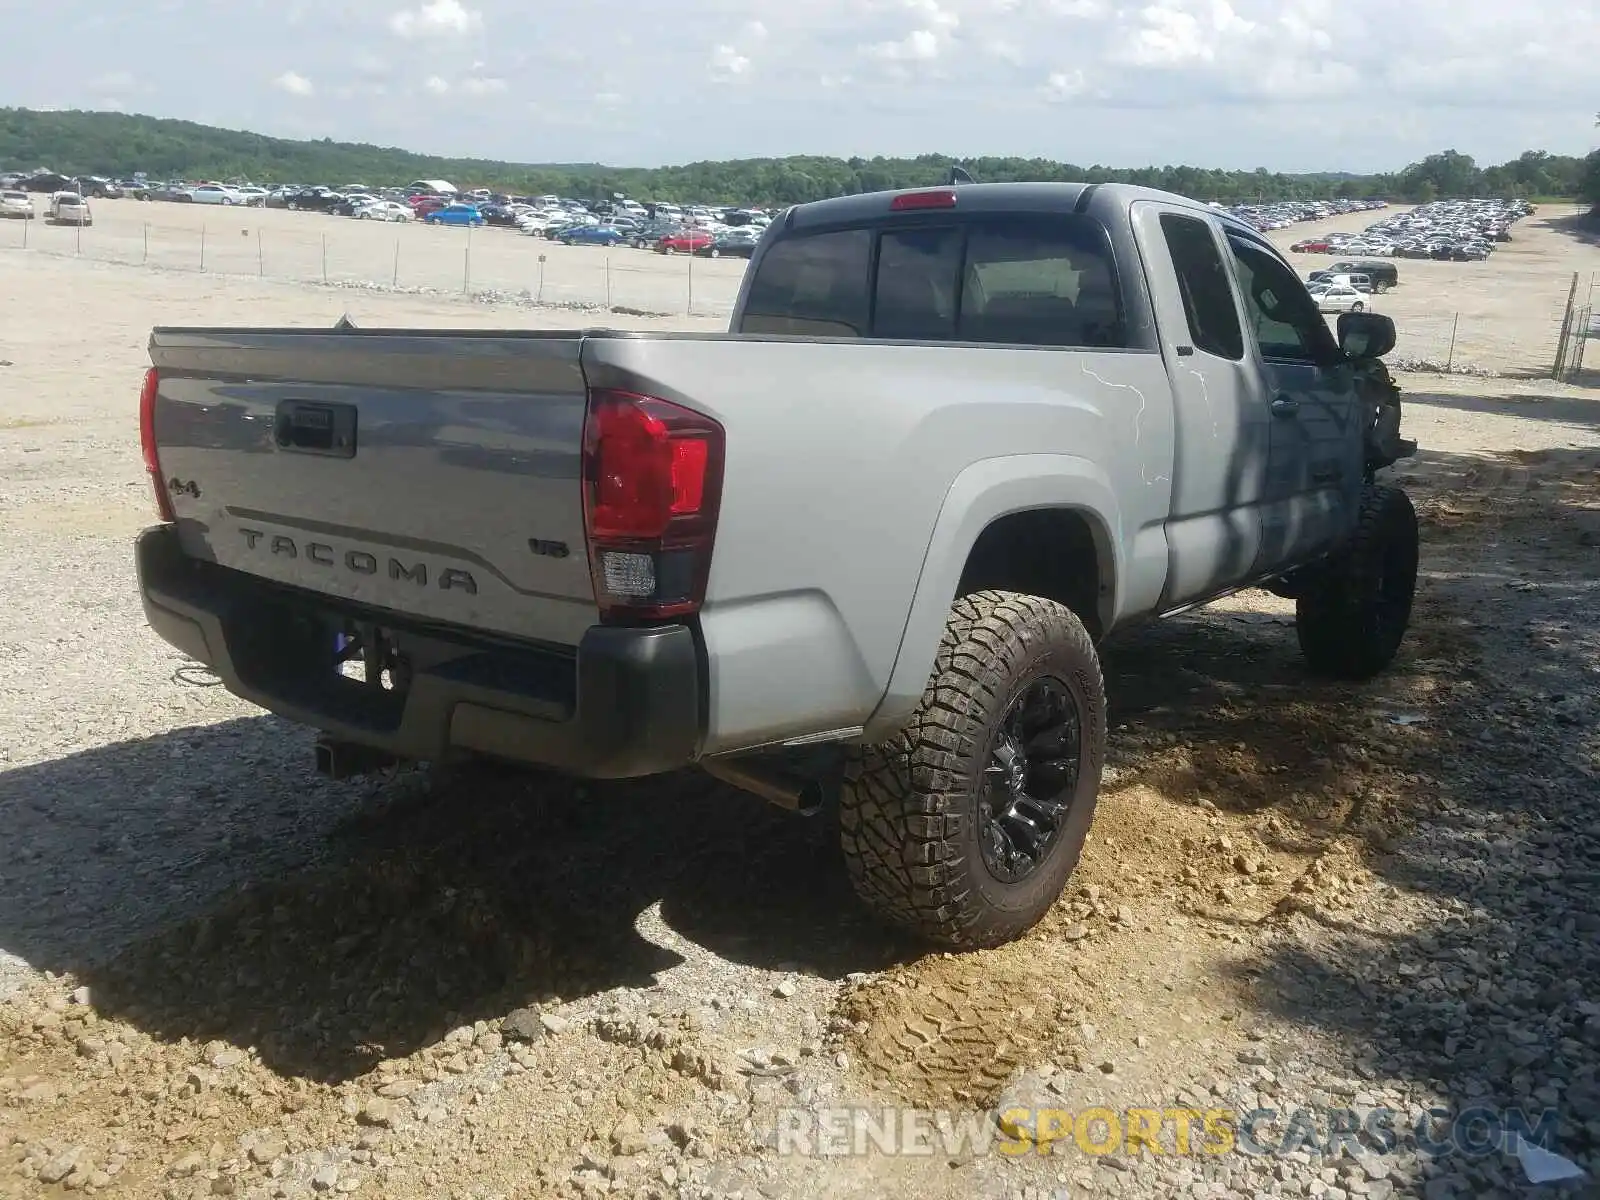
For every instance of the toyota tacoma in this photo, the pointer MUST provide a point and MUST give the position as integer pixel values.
(857, 552)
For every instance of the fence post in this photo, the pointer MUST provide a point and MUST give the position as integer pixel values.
(1450, 357)
(146, 259)
(324, 258)
(608, 282)
(466, 264)
(1586, 323)
(689, 309)
(395, 281)
(202, 247)
(25, 225)
(261, 258)
(78, 245)
(1566, 328)
(538, 297)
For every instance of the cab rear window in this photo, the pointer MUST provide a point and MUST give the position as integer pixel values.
(1016, 279)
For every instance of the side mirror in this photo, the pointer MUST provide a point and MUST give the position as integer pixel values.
(1366, 334)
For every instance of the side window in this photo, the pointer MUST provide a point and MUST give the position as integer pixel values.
(814, 285)
(916, 288)
(1040, 281)
(1286, 322)
(1203, 282)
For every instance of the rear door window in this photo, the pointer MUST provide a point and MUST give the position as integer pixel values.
(1039, 281)
(815, 285)
(1203, 283)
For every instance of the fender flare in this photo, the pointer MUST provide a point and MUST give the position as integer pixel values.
(981, 494)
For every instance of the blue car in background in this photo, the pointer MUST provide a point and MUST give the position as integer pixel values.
(455, 214)
(592, 235)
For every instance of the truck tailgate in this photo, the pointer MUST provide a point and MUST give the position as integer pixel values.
(435, 475)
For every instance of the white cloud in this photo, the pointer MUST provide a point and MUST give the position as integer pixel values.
(934, 33)
(437, 84)
(1064, 85)
(294, 83)
(727, 64)
(437, 18)
(483, 86)
(114, 81)
(920, 45)
(608, 99)
(934, 15)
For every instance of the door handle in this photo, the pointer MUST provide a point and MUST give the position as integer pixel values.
(1285, 406)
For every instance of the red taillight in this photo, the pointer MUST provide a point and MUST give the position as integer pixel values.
(938, 198)
(652, 484)
(147, 442)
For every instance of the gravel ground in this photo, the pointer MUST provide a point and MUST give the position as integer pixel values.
(223, 975)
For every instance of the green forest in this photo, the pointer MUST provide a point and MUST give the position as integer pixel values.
(120, 144)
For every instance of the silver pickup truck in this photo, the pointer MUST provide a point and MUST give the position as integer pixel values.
(855, 553)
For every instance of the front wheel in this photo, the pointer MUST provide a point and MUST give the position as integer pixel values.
(1358, 307)
(965, 826)
(1352, 618)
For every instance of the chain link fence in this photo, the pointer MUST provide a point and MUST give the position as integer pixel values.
(1580, 326)
(1545, 337)
(488, 263)
(1467, 343)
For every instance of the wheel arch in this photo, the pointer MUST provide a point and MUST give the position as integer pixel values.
(993, 514)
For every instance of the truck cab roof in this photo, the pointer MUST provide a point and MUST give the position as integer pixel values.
(1092, 198)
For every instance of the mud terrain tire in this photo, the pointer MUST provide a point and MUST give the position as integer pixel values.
(915, 811)
(1352, 620)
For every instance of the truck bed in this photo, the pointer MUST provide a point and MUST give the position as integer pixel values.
(433, 475)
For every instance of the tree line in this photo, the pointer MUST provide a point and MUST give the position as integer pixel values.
(121, 144)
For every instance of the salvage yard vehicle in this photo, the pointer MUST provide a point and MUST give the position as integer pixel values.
(1339, 298)
(69, 208)
(855, 553)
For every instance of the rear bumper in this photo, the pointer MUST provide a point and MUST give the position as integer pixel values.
(627, 702)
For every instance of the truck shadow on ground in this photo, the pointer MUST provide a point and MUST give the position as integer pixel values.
(443, 898)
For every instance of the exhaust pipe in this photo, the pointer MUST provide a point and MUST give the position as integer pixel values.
(342, 760)
(788, 791)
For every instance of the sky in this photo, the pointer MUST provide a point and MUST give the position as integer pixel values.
(1292, 85)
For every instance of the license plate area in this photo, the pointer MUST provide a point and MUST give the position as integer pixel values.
(313, 427)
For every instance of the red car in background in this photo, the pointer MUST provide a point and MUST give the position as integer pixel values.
(421, 206)
(1311, 246)
(685, 241)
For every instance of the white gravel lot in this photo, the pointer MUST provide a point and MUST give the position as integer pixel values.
(1297, 894)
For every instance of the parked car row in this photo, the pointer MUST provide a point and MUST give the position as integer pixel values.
(1445, 230)
(65, 207)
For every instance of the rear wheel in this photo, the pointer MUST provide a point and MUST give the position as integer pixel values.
(964, 826)
(1352, 617)
(1357, 306)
